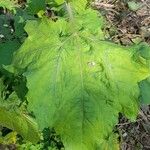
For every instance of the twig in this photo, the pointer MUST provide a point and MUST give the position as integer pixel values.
(100, 5)
(127, 123)
(141, 113)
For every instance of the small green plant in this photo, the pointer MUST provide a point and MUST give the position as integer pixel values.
(77, 81)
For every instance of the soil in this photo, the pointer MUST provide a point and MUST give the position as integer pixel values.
(127, 25)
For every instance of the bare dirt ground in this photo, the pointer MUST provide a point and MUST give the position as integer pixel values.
(129, 20)
(129, 23)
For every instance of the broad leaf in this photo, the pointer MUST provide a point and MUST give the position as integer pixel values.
(78, 83)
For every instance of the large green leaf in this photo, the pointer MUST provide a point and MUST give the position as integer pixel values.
(13, 118)
(78, 83)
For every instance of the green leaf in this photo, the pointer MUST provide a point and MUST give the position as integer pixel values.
(5, 29)
(59, 1)
(134, 6)
(145, 91)
(79, 5)
(77, 82)
(6, 51)
(34, 6)
(110, 143)
(12, 103)
(9, 138)
(143, 51)
(20, 123)
(9, 4)
(12, 117)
